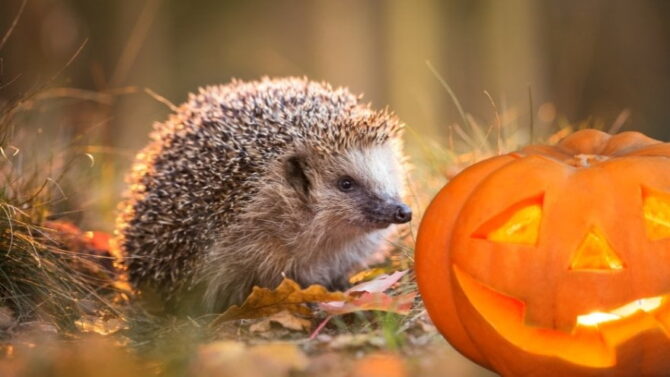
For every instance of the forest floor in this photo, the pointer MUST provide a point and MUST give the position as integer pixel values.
(377, 328)
(65, 311)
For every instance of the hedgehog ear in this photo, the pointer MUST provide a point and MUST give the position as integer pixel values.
(295, 169)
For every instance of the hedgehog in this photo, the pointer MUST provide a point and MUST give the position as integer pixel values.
(251, 182)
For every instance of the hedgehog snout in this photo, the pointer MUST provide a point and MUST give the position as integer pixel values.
(403, 214)
(386, 212)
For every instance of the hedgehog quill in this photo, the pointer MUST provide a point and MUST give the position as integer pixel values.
(252, 181)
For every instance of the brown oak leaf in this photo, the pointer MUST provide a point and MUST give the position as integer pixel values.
(285, 320)
(263, 302)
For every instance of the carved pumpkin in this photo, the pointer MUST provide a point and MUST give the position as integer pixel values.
(555, 260)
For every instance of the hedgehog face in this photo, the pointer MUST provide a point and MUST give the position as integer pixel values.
(372, 187)
(359, 189)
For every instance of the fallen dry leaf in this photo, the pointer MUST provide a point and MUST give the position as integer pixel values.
(288, 296)
(371, 301)
(369, 296)
(284, 319)
(366, 275)
(95, 324)
(378, 284)
(93, 242)
(98, 240)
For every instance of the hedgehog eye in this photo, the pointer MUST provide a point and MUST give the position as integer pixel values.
(346, 183)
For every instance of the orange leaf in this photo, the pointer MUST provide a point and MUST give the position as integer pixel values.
(263, 302)
(98, 240)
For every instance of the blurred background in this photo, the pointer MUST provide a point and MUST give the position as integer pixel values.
(95, 75)
(607, 61)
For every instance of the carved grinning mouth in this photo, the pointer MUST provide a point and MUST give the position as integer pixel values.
(592, 342)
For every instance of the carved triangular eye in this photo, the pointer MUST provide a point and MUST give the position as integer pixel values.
(595, 253)
(656, 210)
(520, 223)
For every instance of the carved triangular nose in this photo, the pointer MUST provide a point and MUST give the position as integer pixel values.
(595, 253)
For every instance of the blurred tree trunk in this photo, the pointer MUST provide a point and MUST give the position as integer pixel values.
(346, 46)
(412, 38)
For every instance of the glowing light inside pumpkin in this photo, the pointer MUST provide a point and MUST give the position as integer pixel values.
(595, 253)
(595, 318)
(519, 224)
(591, 343)
(643, 304)
(522, 227)
(656, 211)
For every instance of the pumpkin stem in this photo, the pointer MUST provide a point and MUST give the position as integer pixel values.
(585, 160)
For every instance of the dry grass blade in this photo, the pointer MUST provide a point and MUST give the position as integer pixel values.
(161, 99)
(446, 86)
(135, 42)
(46, 271)
(498, 124)
(15, 21)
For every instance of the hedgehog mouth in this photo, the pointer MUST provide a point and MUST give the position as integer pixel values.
(375, 223)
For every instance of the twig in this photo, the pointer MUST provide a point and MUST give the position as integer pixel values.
(135, 42)
(13, 25)
(161, 99)
(102, 97)
(10, 82)
(320, 327)
(72, 59)
(80, 94)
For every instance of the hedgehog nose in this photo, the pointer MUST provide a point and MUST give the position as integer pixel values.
(402, 214)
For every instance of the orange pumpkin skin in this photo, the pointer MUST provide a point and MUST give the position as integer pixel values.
(555, 260)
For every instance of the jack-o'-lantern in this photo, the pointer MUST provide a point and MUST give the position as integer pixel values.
(555, 260)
